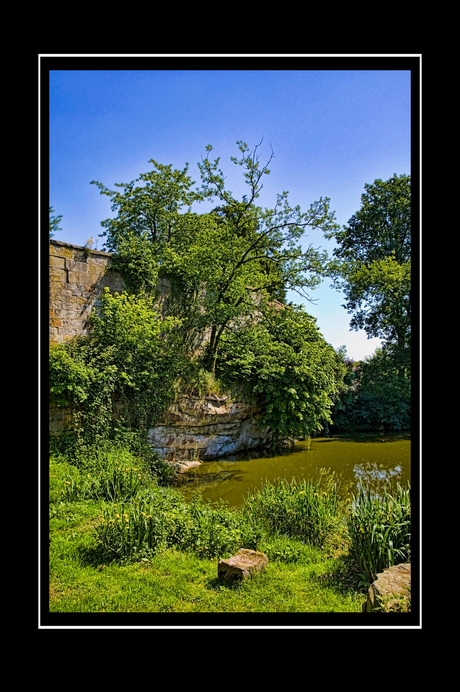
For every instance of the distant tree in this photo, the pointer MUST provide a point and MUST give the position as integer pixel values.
(373, 395)
(383, 400)
(372, 264)
(54, 223)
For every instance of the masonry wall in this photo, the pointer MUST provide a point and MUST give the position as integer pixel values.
(77, 277)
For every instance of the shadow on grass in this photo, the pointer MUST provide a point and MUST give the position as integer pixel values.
(217, 584)
(345, 578)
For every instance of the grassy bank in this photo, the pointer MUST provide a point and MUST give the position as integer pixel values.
(120, 542)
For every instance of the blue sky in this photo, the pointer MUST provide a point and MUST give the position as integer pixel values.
(331, 131)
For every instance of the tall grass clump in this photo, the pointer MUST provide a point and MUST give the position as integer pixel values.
(307, 510)
(380, 530)
(160, 518)
(105, 473)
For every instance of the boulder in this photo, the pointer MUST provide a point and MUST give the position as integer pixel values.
(245, 563)
(390, 591)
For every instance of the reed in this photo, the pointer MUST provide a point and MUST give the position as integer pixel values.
(302, 509)
(380, 530)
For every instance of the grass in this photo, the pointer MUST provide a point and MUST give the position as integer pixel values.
(100, 567)
(180, 582)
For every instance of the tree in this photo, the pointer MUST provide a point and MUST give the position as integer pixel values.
(228, 262)
(54, 223)
(289, 366)
(149, 211)
(383, 396)
(372, 264)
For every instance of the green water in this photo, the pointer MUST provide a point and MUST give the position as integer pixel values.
(368, 461)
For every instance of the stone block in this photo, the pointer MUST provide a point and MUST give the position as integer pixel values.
(58, 276)
(76, 266)
(245, 563)
(57, 262)
(78, 278)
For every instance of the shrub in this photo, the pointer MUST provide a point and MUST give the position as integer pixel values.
(380, 530)
(289, 367)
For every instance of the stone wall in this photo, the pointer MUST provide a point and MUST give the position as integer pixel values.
(77, 277)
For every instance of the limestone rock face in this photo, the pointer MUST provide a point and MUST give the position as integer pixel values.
(245, 563)
(200, 428)
(391, 585)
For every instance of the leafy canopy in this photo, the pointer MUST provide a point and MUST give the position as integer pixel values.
(289, 366)
(372, 262)
(226, 263)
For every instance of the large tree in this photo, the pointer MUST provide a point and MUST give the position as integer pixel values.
(229, 262)
(372, 263)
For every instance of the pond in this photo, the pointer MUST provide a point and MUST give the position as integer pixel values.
(369, 461)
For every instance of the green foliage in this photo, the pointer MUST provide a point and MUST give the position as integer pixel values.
(372, 265)
(149, 210)
(111, 474)
(376, 395)
(160, 519)
(54, 222)
(69, 376)
(119, 380)
(372, 262)
(306, 510)
(380, 530)
(282, 548)
(136, 261)
(289, 366)
(197, 381)
(222, 263)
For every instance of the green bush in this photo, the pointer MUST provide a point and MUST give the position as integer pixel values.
(380, 530)
(288, 366)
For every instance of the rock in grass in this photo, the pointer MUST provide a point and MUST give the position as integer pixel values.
(245, 563)
(390, 589)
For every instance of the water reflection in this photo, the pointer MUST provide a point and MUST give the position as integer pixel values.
(376, 477)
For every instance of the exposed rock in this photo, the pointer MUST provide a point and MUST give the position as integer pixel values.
(200, 428)
(390, 590)
(184, 466)
(245, 563)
